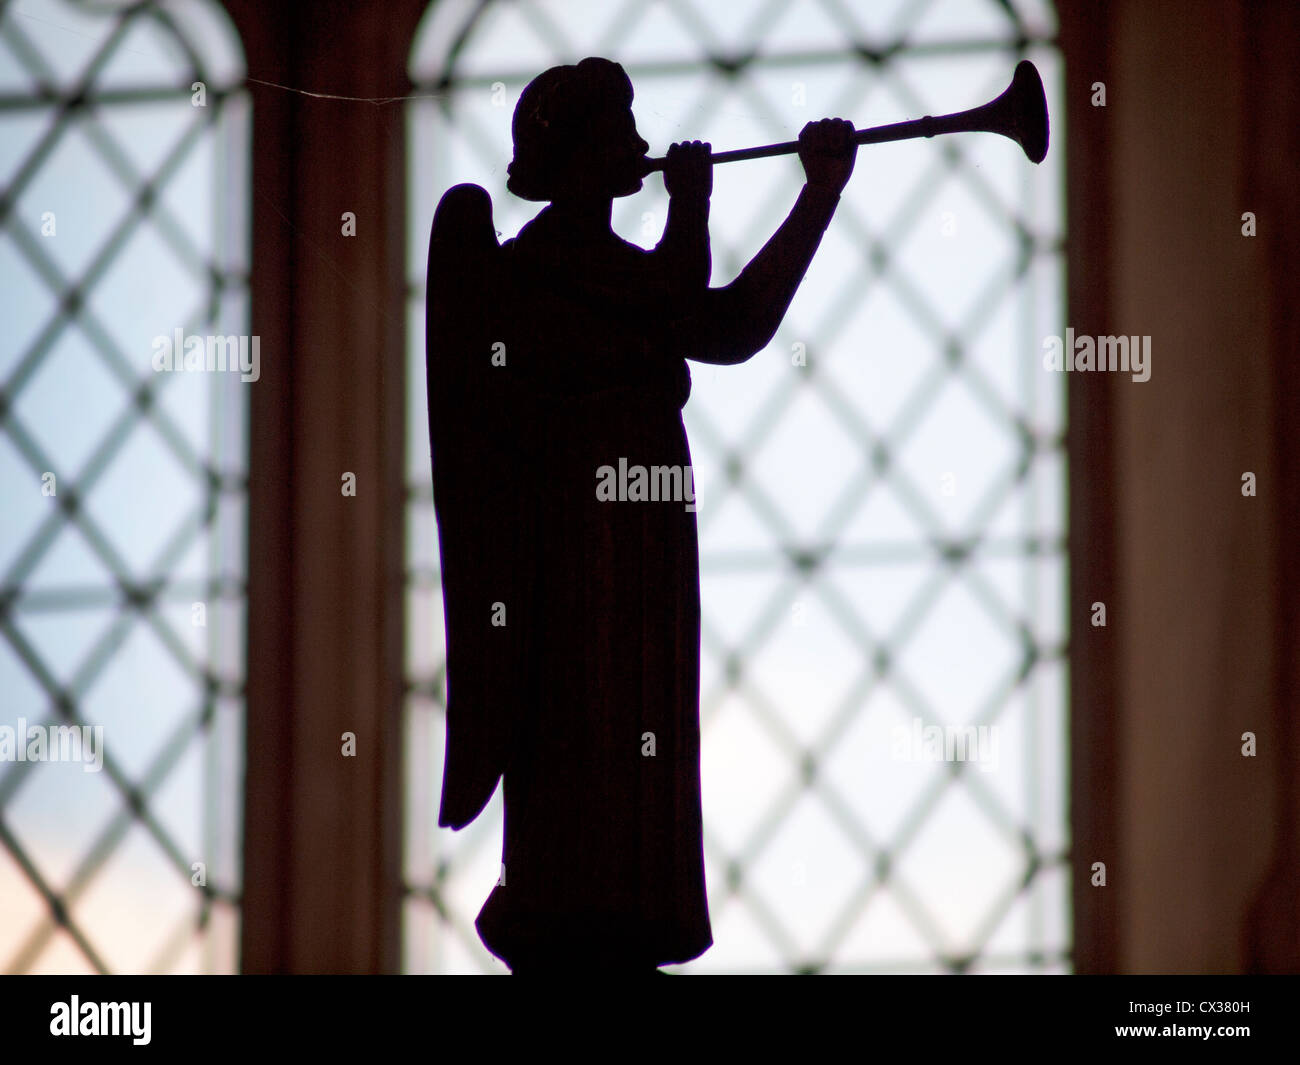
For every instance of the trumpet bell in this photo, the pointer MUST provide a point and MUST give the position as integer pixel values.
(1027, 111)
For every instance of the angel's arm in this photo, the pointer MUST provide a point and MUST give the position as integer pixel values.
(728, 325)
(684, 248)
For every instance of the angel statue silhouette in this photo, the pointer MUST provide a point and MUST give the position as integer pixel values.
(571, 603)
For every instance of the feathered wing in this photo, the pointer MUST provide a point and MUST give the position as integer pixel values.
(474, 427)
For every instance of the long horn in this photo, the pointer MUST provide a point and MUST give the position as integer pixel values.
(1019, 113)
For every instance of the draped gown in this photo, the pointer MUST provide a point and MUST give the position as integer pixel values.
(600, 743)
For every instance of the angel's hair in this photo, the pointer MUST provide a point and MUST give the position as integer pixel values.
(556, 114)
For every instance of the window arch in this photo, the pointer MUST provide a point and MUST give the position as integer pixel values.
(882, 491)
(123, 220)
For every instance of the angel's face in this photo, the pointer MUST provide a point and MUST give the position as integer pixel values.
(626, 153)
(611, 160)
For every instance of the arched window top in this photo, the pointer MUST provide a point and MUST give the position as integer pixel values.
(111, 48)
(465, 39)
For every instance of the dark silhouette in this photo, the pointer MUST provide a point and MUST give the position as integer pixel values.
(556, 367)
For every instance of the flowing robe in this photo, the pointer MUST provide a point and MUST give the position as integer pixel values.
(599, 745)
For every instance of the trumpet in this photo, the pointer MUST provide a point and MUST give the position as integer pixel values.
(1020, 113)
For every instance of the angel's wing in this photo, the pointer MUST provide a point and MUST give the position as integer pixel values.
(474, 435)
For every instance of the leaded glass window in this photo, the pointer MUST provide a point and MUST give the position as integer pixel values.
(881, 491)
(123, 220)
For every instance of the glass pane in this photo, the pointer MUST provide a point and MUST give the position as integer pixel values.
(123, 567)
(898, 430)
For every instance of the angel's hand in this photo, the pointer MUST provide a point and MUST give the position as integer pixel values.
(687, 170)
(827, 151)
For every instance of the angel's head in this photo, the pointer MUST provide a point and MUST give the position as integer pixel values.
(575, 136)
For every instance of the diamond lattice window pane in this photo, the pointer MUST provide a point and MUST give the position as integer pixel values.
(122, 556)
(910, 463)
